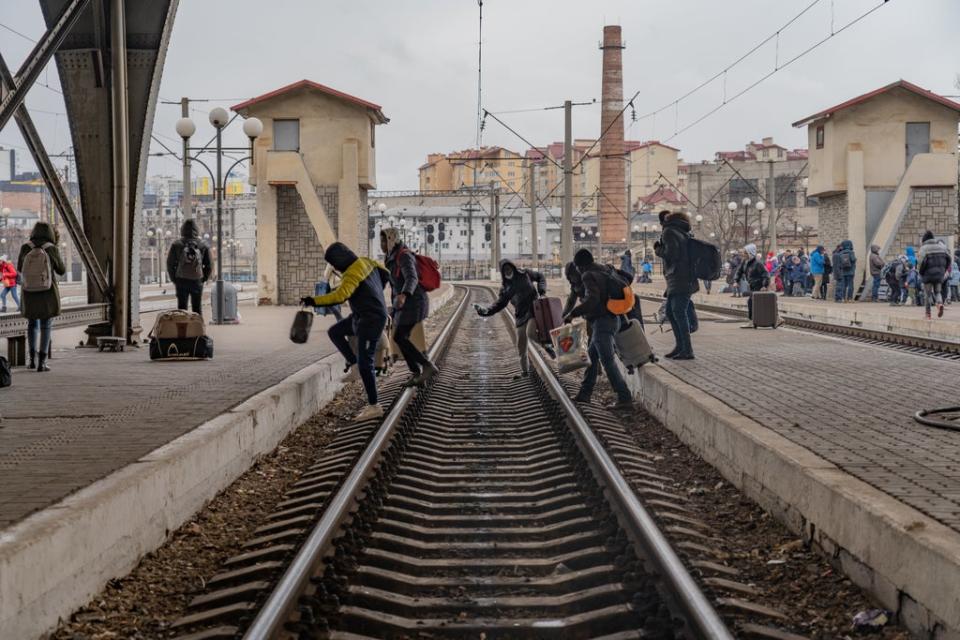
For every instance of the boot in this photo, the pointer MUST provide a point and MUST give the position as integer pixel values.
(370, 412)
(42, 365)
(33, 360)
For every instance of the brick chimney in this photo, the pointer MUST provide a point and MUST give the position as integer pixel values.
(613, 200)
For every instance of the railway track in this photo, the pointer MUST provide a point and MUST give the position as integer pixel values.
(912, 344)
(482, 507)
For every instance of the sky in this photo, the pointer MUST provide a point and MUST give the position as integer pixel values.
(419, 59)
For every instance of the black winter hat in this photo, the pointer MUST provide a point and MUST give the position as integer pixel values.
(583, 258)
(928, 235)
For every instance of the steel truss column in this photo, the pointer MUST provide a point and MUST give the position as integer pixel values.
(38, 59)
(60, 198)
(121, 169)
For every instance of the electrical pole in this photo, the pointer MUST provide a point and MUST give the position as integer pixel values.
(470, 235)
(772, 208)
(699, 193)
(494, 230)
(566, 220)
(599, 256)
(534, 248)
(185, 202)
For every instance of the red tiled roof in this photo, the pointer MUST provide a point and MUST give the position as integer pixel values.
(798, 154)
(662, 195)
(633, 145)
(316, 86)
(902, 84)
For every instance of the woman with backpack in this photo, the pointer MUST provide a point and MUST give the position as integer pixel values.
(411, 304)
(38, 264)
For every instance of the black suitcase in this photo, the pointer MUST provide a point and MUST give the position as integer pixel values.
(302, 322)
(199, 348)
(765, 309)
(6, 378)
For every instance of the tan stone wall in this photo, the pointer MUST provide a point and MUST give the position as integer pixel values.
(833, 219)
(930, 208)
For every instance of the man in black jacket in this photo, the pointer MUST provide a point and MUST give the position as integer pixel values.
(672, 247)
(189, 266)
(755, 272)
(519, 287)
(934, 265)
(411, 305)
(597, 283)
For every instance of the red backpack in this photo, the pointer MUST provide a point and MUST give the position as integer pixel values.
(428, 271)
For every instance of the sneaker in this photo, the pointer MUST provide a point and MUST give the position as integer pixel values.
(370, 412)
(940, 311)
(353, 373)
(749, 325)
(671, 354)
(430, 371)
(520, 376)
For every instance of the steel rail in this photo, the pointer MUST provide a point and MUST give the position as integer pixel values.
(283, 599)
(705, 623)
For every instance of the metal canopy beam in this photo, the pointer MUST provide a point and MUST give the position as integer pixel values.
(39, 58)
(57, 192)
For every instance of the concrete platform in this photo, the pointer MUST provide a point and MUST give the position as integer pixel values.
(105, 455)
(820, 431)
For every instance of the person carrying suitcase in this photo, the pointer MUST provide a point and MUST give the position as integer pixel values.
(189, 266)
(519, 287)
(599, 281)
(756, 275)
(411, 305)
(361, 287)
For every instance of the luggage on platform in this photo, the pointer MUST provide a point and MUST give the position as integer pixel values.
(765, 309)
(180, 335)
(632, 345)
(302, 323)
(6, 378)
(570, 343)
(547, 316)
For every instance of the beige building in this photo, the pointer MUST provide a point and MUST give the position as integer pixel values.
(884, 167)
(312, 167)
(452, 171)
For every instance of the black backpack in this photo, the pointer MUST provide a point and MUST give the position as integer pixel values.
(6, 377)
(705, 259)
(190, 265)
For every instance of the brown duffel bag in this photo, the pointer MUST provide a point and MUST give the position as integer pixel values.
(178, 324)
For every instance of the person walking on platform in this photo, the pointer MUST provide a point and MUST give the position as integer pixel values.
(672, 247)
(756, 275)
(598, 280)
(876, 266)
(844, 267)
(626, 263)
(519, 287)
(189, 266)
(734, 266)
(954, 281)
(38, 264)
(934, 265)
(8, 283)
(816, 270)
(411, 304)
(361, 287)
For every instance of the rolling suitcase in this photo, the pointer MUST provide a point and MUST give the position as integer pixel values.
(765, 309)
(547, 316)
(385, 353)
(180, 335)
(632, 345)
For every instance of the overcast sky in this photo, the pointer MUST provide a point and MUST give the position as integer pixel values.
(418, 58)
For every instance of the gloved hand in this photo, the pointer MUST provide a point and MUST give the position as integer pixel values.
(567, 319)
(480, 310)
(307, 301)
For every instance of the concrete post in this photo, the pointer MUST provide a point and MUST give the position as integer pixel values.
(566, 220)
(121, 170)
(534, 248)
(494, 230)
(772, 209)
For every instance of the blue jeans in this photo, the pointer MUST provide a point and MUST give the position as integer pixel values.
(678, 313)
(844, 289)
(601, 352)
(875, 292)
(368, 330)
(12, 291)
(43, 328)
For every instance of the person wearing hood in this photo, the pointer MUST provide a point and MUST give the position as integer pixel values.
(519, 287)
(411, 304)
(876, 266)
(8, 283)
(361, 287)
(40, 305)
(844, 267)
(755, 273)
(672, 247)
(934, 266)
(626, 263)
(598, 280)
(817, 266)
(189, 266)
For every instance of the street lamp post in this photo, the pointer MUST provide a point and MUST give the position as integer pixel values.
(760, 206)
(219, 118)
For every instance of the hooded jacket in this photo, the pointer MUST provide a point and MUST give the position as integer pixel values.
(8, 274)
(626, 263)
(521, 290)
(755, 273)
(40, 305)
(846, 249)
(876, 262)
(672, 247)
(402, 267)
(576, 287)
(816, 261)
(188, 231)
(361, 285)
(934, 261)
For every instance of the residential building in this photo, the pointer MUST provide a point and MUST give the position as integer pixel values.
(884, 168)
(313, 165)
(452, 171)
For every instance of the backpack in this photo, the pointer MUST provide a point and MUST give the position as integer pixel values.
(619, 292)
(844, 260)
(190, 264)
(6, 378)
(889, 270)
(37, 272)
(428, 271)
(705, 259)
